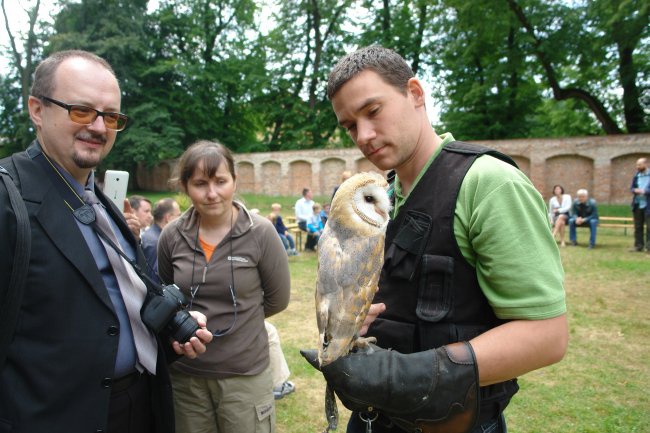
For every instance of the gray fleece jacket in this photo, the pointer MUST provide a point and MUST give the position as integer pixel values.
(253, 261)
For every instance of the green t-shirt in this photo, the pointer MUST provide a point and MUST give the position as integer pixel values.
(501, 227)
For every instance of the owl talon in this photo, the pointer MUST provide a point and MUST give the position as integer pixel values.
(364, 344)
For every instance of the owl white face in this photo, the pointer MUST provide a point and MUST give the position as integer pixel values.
(361, 203)
(371, 204)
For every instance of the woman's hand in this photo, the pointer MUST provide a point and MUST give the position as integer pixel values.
(196, 345)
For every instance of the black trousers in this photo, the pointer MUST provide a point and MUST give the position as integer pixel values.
(641, 219)
(130, 407)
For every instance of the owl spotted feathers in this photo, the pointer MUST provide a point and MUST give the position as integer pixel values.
(350, 258)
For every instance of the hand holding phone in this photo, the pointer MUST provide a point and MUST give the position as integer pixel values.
(115, 185)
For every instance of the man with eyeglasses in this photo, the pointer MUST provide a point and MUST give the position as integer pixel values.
(79, 358)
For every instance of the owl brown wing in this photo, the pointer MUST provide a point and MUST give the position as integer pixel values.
(349, 268)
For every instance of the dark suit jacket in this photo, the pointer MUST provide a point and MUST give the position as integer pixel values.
(60, 363)
(149, 242)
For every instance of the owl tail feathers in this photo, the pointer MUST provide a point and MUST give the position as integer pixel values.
(331, 410)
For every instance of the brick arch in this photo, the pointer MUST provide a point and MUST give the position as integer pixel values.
(245, 177)
(623, 170)
(330, 174)
(300, 176)
(571, 171)
(523, 163)
(271, 179)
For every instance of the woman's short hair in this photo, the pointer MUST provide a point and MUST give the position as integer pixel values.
(211, 153)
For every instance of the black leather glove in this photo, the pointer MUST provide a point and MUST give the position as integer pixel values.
(434, 391)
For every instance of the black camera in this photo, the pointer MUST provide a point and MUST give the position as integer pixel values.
(168, 311)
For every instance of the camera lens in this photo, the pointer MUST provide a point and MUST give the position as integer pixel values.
(183, 326)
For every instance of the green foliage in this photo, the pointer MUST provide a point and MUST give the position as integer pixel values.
(562, 119)
(154, 136)
(252, 74)
(15, 127)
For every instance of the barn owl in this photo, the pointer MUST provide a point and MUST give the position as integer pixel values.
(350, 258)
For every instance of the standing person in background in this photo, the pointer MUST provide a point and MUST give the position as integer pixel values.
(303, 211)
(640, 189)
(165, 211)
(584, 213)
(80, 358)
(142, 209)
(559, 207)
(304, 208)
(231, 266)
(466, 309)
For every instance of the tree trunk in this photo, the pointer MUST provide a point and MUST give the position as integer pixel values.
(595, 105)
(422, 22)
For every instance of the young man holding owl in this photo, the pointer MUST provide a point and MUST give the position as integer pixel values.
(471, 293)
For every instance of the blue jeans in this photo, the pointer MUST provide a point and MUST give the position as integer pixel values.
(593, 224)
(288, 242)
(355, 425)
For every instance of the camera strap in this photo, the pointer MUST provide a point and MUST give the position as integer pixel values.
(85, 214)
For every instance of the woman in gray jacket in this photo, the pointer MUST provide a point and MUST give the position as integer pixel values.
(233, 268)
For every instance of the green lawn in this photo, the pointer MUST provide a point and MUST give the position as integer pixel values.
(600, 387)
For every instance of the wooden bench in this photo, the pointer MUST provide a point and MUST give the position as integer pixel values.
(616, 222)
(295, 231)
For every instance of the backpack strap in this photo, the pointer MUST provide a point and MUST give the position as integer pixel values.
(11, 296)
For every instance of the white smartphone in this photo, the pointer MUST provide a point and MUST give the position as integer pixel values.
(115, 184)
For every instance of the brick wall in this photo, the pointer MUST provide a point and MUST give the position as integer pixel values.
(603, 165)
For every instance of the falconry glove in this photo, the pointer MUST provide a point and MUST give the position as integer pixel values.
(435, 391)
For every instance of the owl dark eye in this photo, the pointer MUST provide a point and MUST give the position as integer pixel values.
(368, 198)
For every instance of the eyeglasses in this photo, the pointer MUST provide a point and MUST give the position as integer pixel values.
(87, 115)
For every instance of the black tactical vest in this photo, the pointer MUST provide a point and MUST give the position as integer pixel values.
(431, 293)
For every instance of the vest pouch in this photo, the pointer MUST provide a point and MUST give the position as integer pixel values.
(495, 398)
(402, 257)
(391, 334)
(435, 295)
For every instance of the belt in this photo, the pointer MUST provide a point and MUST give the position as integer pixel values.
(125, 382)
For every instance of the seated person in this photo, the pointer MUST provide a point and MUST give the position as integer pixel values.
(278, 363)
(325, 212)
(314, 228)
(558, 211)
(584, 213)
(283, 232)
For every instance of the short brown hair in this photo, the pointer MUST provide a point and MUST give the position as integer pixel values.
(389, 65)
(210, 153)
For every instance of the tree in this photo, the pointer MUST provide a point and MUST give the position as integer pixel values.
(619, 24)
(626, 22)
(491, 94)
(308, 39)
(207, 70)
(24, 52)
(409, 27)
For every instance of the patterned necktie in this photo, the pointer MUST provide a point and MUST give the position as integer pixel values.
(132, 288)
